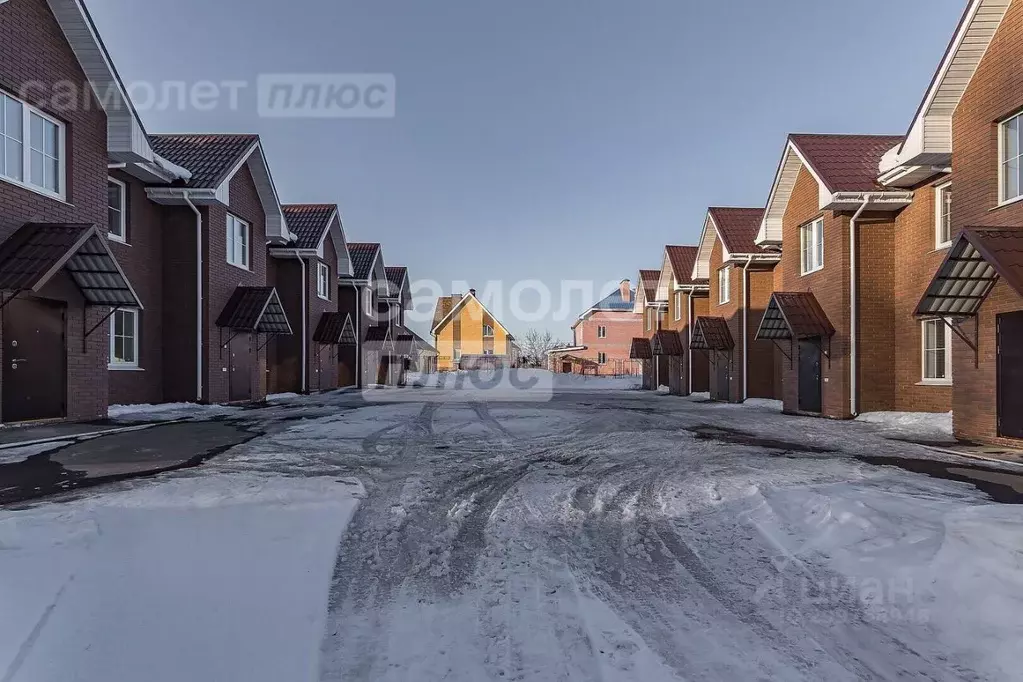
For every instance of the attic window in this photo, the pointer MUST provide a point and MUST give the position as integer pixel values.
(1010, 156)
(811, 246)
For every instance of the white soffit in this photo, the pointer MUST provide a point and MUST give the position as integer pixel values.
(664, 283)
(781, 192)
(929, 141)
(701, 269)
(639, 303)
(276, 225)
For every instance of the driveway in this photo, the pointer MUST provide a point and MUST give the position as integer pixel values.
(594, 535)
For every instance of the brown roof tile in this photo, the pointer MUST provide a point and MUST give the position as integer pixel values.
(363, 255)
(711, 333)
(254, 309)
(641, 349)
(209, 158)
(794, 315)
(308, 222)
(846, 163)
(649, 279)
(738, 228)
(444, 306)
(667, 342)
(335, 329)
(682, 259)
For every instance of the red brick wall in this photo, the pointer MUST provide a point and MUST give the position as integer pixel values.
(876, 374)
(995, 93)
(177, 229)
(700, 363)
(322, 371)
(729, 311)
(33, 48)
(622, 327)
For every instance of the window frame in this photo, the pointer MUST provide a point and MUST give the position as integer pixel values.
(123, 236)
(934, 381)
(725, 285)
(1004, 200)
(27, 111)
(678, 306)
(112, 362)
(323, 278)
(813, 228)
(939, 215)
(601, 358)
(601, 332)
(488, 327)
(229, 251)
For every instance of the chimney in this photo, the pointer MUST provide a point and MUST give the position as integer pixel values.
(626, 289)
(473, 292)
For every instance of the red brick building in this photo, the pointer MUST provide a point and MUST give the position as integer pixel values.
(969, 122)
(687, 299)
(603, 334)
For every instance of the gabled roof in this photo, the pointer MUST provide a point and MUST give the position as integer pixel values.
(679, 263)
(794, 315)
(667, 342)
(364, 256)
(613, 302)
(641, 349)
(712, 333)
(36, 252)
(839, 163)
(737, 228)
(445, 304)
(928, 143)
(209, 158)
(396, 275)
(254, 309)
(454, 306)
(335, 329)
(309, 222)
(648, 280)
(979, 257)
(421, 344)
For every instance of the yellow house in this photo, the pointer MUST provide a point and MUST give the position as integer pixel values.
(463, 328)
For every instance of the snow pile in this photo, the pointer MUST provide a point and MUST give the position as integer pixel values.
(766, 404)
(663, 390)
(912, 425)
(167, 411)
(568, 382)
(278, 397)
(215, 578)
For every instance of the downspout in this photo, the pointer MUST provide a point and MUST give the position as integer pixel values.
(689, 346)
(745, 328)
(305, 324)
(853, 308)
(198, 297)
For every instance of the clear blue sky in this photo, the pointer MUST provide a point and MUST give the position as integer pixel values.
(536, 139)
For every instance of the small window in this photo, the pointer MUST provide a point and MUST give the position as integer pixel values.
(678, 306)
(237, 242)
(488, 331)
(124, 339)
(602, 358)
(456, 356)
(323, 281)
(1010, 154)
(117, 211)
(943, 216)
(31, 147)
(811, 246)
(601, 332)
(725, 285)
(937, 352)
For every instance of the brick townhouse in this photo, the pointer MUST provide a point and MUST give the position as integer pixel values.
(602, 336)
(656, 368)
(969, 124)
(741, 278)
(855, 257)
(305, 273)
(363, 296)
(687, 299)
(61, 281)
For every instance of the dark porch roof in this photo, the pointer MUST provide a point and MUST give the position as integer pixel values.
(711, 333)
(666, 342)
(795, 315)
(977, 259)
(255, 309)
(641, 349)
(38, 251)
(335, 329)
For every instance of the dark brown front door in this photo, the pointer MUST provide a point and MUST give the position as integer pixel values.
(720, 388)
(240, 379)
(566, 368)
(383, 370)
(346, 356)
(1010, 375)
(35, 360)
(810, 398)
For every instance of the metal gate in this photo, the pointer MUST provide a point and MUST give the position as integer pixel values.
(1010, 375)
(35, 360)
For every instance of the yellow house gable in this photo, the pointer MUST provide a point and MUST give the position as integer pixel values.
(469, 329)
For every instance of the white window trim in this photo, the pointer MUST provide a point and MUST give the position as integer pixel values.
(122, 238)
(939, 203)
(26, 147)
(725, 289)
(485, 334)
(229, 252)
(811, 227)
(601, 332)
(118, 364)
(320, 279)
(924, 381)
(1002, 199)
(678, 306)
(601, 358)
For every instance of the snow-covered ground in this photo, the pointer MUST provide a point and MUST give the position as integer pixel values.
(597, 535)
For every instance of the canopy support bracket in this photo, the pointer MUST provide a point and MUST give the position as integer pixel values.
(974, 343)
(98, 325)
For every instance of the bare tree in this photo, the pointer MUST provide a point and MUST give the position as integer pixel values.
(536, 344)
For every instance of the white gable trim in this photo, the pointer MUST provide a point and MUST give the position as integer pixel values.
(276, 225)
(701, 269)
(792, 162)
(639, 302)
(929, 140)
(336, 231)
(458, 306)
(664, 285)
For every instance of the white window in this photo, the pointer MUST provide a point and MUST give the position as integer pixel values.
(649, 319)
(124, 339)
(488, 331)
(937, 352)
(31, 148)
(678, 306)
(456, 357)
(237, 242)
(1010, 168)
(323, 281)
(943, 216)
(601, 332)
(811, 246)
(602, 358)
(725, 285)
(117, 210)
